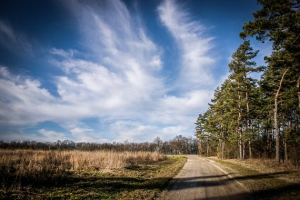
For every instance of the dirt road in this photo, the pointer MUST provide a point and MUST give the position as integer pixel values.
(201, 179)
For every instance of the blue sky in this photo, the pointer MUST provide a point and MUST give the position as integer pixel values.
(112, 70)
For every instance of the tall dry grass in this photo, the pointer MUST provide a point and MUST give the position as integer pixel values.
(22, 167)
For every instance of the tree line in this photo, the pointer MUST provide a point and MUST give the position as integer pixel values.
(178, 145)
(250, 118)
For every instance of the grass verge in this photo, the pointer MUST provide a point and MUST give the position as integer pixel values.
(141, 181)
(262, 179)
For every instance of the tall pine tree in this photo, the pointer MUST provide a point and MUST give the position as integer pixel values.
(279, 22)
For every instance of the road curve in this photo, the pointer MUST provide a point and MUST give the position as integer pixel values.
(201, 179)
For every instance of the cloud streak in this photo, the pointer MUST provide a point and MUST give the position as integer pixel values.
(13, 40)
(23, 100)
(194, 46)
(118, 79)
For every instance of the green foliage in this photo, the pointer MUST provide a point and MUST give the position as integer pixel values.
(245, 111)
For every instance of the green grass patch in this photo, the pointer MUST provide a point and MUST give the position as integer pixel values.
(144, 181)
(269, 185)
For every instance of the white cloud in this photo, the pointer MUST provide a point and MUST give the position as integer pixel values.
(125, 61)
(116, 85)
(42, 135)
(50, 136)
(171, 131)
(62, 53)
(118, 79)
(23, 100)
(194, 46)
(87, 135)
(132, 131)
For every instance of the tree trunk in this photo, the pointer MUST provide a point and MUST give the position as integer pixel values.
(240, 143)
(240, 126)
(270, 135)
(243, 146)
(276, 130)
(298, 86)
(286, 157)
(219, 149)
(223, 147)
(207, 148)
(276, 118)
(250, 149)
(200, 147)
(248, 124)
(285, 151)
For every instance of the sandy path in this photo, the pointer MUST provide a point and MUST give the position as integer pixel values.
(200, 179)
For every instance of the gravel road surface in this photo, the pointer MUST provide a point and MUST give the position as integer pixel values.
(201, 179)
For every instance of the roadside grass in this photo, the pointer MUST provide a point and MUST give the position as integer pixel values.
(264, 178)
(140, 175)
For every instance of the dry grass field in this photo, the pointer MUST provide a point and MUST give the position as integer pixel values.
(83, 174)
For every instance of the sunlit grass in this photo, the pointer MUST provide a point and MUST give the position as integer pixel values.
(85, 175)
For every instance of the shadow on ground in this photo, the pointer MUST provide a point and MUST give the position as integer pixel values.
(91, 186)
(285, 191)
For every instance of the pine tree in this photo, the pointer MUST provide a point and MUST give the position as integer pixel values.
(240, 67)
(279, 21)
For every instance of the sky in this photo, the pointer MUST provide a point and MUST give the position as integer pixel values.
(113, 70)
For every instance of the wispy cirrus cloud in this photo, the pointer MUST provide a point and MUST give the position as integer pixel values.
(194, 46)
(14, 40)
(116, 76)
(125, 63)
(23, 101)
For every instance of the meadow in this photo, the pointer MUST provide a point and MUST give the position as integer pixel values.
(55, 174)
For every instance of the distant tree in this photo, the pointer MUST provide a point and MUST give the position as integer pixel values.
(158, 144)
